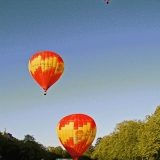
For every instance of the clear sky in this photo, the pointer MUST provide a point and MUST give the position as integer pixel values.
(112, 63)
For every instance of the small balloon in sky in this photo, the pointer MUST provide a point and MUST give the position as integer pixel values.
(46, 68)
(76, 133)
(107, 1)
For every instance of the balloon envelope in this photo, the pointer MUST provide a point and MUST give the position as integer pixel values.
(76, 132)
(46, 68)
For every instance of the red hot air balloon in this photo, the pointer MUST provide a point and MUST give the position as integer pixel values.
(46, 68)
(76, 132)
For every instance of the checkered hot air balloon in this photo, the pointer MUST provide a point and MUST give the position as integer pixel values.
(46, 68)
(76, 132)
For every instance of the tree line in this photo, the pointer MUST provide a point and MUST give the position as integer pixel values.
(28, 149)
(130, 140)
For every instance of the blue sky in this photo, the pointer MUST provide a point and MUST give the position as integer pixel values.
(111, 54)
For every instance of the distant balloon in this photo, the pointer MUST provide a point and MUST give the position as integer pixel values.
(107, 1)
(76, 132)
(46, 68)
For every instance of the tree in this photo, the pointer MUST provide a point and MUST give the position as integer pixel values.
(120, 144)
(127, 139)
(28, 138)
(89, 151)
(100, 151)
(98, 141)
(9, 149)
(65, 154)
(149, 136)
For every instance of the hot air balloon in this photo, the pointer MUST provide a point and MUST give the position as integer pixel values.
(107, 1)
(46, 68)
(76, 132)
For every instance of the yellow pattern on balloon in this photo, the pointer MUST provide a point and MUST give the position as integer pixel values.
(68, 131)
(45, 64)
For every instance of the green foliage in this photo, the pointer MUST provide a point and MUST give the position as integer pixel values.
(28, 138)
(149, 135)
(98, 141)
(30, 150)
(11, 150)
(131, 140)
(65, 154)
(58, 150)
(84, 157)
